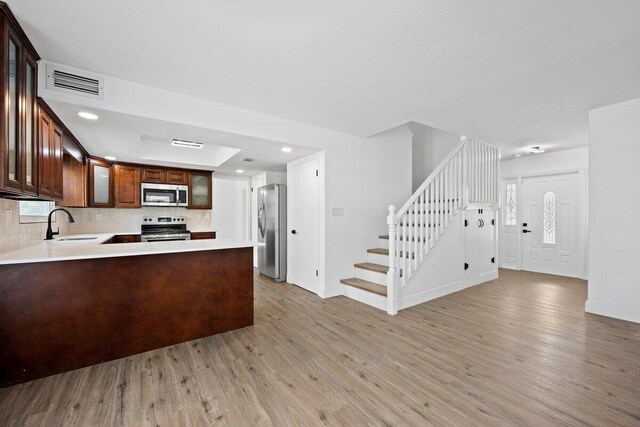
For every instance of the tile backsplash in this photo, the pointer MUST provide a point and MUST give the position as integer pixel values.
(12, 232)
(91, 220)
(104, 220)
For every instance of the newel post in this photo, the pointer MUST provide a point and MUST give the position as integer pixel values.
(392, 276)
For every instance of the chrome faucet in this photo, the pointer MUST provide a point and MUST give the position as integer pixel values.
(50, 232)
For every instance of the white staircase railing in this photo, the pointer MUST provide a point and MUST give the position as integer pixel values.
(468, 175)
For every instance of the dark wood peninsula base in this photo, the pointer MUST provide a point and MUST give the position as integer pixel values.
(62, 315)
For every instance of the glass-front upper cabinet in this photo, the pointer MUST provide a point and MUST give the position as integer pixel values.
(18, 139)
(13, 116)
(30, 158)
(200, 190)
(100, 184)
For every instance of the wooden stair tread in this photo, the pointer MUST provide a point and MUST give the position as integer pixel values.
(379, 251)
(378, 268)
(382, 251)
(366, 286)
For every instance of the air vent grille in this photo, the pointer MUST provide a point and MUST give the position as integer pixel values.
(74, 81)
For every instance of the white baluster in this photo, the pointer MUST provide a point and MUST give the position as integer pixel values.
(416, 238)
(432, 219)
(420, 220)
(392, 284)
(404, 249)
(425, 224)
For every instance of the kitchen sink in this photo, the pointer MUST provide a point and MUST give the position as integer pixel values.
(69, 239)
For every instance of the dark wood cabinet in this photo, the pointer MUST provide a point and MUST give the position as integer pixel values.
(155, 175)
(50, 158)
(74, 182)
(100, 184)
(128, 238)
(178, 177)
(127, 186)
(200, 191)
(203, 235)
(18, 114)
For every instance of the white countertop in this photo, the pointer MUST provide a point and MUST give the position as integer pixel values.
(57, 250)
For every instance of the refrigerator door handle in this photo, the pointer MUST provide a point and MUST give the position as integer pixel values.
(261, 219)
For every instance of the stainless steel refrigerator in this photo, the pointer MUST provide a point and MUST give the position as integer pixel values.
(272, 231)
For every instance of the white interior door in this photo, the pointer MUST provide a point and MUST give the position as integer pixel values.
(304, 224)
(552, 233)
(510, 226)
(256, 182)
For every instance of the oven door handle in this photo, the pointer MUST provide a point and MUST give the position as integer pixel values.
(166, 236)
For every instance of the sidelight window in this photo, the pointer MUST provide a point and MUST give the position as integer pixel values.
(510, 205)
(549, 218)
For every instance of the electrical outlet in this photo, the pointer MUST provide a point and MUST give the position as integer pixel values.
(8, 216)
(337, 211)
(98, 217)
(198, 217)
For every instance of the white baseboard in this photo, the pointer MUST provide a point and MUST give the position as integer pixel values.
(430, 294)
(617, 312)
(334, 291)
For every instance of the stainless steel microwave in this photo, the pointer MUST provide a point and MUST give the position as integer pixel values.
(164, 195)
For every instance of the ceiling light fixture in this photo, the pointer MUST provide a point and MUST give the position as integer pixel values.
(87, 115)
(186, 144)
(286, 149)
(239, 171)
(112, 158)
(535, 150)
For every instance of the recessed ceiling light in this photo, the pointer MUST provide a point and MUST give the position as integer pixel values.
(286, 149)
(517, 155)
(186, 144)
(535, 150)
(87, 115)
(112, 158)
(239, 171)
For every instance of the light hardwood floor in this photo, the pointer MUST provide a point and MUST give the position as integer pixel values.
(517, 351)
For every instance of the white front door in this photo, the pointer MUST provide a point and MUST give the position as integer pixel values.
(510, 226)
(304, 224)
(552, 232)
(256, 182)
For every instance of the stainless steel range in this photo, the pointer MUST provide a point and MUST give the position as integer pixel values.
(164, 229)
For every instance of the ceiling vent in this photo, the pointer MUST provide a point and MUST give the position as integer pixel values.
(186, 144)
(77, 82)
(248, 159)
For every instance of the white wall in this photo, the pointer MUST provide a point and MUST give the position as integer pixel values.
(614, 196)
(363, 178)
(429, 147)
(540, 164)
(230, 208)
(363, 175)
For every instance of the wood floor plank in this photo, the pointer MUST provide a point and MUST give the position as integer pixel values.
(519, 350)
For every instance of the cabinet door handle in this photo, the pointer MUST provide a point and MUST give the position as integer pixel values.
(526, 231)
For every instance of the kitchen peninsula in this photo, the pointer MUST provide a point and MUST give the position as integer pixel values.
(67, 304)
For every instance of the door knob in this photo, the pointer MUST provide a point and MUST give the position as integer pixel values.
(293, 232)
(526, 231)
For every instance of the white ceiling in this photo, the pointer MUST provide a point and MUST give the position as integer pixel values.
(509, 72)
(144, 140)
